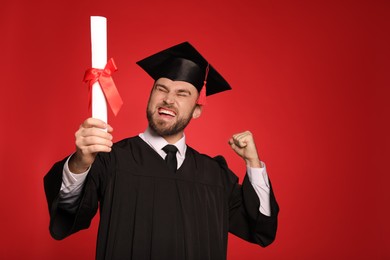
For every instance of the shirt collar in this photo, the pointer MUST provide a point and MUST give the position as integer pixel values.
(158, 142)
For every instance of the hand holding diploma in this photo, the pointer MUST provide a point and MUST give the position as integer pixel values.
(90, 139)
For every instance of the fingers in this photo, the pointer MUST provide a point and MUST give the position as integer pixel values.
(93, 132)
(91, 139)
(93, 149)
(97, 123)
(241, 140)
(244, 145)
(93, 144)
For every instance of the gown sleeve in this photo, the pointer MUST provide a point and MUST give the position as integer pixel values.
(62, 222)
(245, 219)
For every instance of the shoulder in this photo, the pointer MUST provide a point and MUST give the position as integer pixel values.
(204, 158)
(216, 166)
(127, 142)
(208, 161)
(121, 147)
(218, 161)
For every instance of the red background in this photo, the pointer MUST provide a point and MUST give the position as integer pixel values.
(310, 79)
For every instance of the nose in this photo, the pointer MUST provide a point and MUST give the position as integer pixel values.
(169, 98)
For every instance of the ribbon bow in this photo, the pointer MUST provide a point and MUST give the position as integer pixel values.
(107, 84)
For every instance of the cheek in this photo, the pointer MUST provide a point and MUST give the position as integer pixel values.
(151, 104)
(154, 99)
(187, 109)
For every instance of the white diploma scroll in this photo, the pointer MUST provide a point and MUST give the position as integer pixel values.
(99, 61)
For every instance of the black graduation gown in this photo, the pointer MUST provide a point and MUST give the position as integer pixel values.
(147, 212)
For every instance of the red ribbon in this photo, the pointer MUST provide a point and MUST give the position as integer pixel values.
(107, 84)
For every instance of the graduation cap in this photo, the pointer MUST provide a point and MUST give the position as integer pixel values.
(183, 62)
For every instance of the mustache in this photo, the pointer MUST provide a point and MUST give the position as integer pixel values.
(167, 106)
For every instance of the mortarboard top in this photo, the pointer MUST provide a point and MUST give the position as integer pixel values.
(183, 62)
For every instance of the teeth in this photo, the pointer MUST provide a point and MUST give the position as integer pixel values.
(167, 112)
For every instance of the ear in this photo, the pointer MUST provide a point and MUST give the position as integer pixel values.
(197, 111)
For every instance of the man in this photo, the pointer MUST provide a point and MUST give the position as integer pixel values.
(158, 197)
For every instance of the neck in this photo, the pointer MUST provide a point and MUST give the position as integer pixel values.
(172, 139)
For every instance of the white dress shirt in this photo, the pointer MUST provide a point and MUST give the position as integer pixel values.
(72, 184)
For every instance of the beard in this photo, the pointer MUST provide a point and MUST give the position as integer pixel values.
(161, 128)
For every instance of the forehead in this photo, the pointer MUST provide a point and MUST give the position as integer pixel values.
(176, 85)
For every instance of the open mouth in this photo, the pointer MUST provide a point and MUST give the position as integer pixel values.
(166, 112)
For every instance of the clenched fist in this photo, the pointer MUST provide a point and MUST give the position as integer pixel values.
(244, 145)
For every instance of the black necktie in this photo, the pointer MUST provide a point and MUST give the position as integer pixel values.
(170, 159)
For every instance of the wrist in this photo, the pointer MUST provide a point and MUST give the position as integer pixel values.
(76, 165)
(253, 163)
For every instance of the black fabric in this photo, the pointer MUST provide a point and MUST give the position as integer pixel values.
(170, 159)
(146, 212)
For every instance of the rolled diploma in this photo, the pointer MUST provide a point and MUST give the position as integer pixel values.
(99, 61)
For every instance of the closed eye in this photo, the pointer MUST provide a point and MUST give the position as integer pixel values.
(161, 88)
(183, 93)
